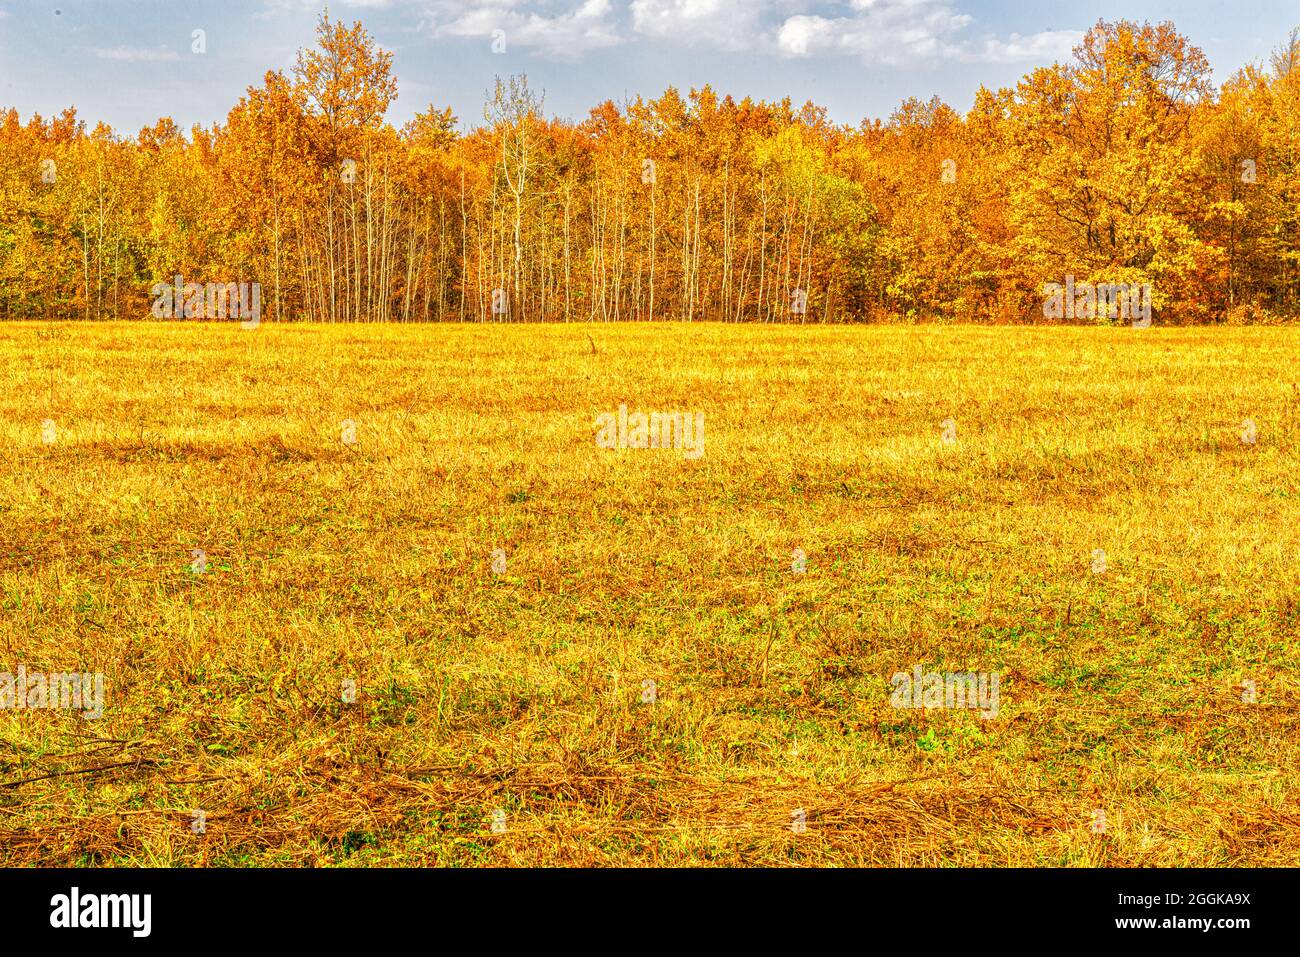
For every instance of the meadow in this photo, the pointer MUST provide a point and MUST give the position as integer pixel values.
(435, 623)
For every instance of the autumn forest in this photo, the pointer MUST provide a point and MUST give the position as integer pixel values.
(1126, 164)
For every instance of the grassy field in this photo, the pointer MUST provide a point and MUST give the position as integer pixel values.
(521, 691)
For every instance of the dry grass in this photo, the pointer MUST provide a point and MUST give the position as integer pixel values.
(371, 562)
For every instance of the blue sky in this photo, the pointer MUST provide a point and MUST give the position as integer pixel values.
(131, 61)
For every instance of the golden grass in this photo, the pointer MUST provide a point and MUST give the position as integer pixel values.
(371, 562)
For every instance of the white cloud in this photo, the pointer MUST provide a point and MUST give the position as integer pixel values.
(886, 32)
(801, 35)
(561, 31)
(1037, 47)
(135, 54)
(729, 24)
(889, 32)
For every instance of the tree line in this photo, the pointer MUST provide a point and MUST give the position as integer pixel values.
(1123, 165)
